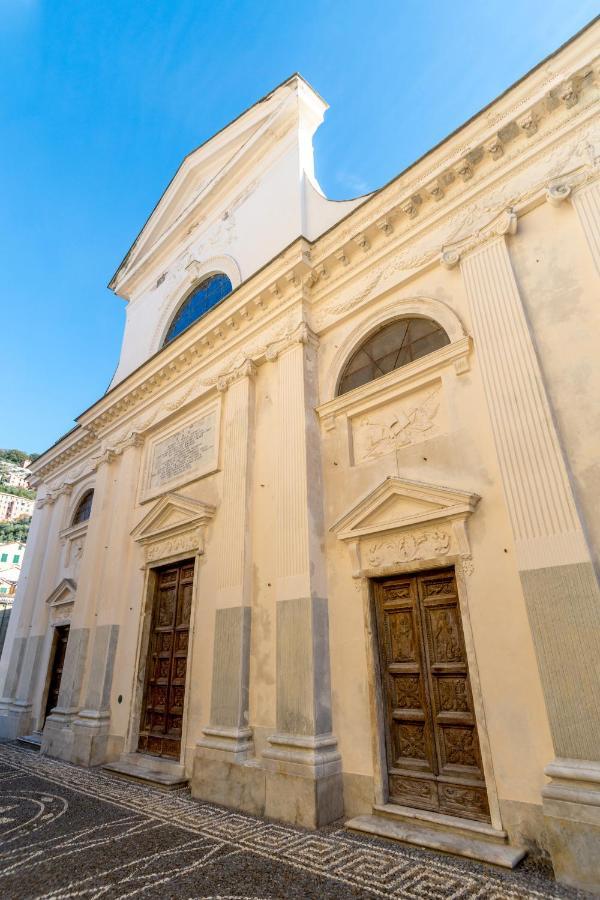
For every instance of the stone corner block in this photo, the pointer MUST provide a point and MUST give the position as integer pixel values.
(300, 800)
(237, 785)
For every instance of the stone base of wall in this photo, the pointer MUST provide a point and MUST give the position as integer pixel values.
(238, 785)
(301, 800)
(57, 736)
(526, 827)
(15, 720)
(359, 795)
(304, 801)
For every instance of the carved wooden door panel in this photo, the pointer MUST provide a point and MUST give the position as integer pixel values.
(434, 760)
(164, 695)
(58, 662)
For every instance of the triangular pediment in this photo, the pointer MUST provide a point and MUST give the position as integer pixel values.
(171, 514)
(194, 180)
(218, 176)
(400, 503)
(63, 593)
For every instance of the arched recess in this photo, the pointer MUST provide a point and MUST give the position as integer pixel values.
(419, 307)
(77, 496)
(192, 275)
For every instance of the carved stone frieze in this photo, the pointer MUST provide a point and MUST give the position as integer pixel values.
(576, 160)
(173, 546)
(408, 547)
(174, 525)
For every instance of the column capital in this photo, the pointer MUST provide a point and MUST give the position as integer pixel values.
(247, 369)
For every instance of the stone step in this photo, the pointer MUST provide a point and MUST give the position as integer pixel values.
(156, 777)
(465, 827)
(31, 741)
(420, 833)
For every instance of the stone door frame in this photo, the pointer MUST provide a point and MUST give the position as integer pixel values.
(418, 542)
(60, 610)
(171, 532)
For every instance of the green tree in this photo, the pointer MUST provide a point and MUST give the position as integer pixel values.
(18, 457)
(15, 531)
(16, 491)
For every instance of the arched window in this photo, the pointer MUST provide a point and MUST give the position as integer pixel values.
(204, 296)
(84, 508)
(396, 344)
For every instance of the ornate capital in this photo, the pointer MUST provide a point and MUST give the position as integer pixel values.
(247, 369)
(301, 334)
(556, 194)
(449, 258)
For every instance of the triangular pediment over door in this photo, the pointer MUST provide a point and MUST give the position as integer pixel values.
(403, 520)
(63, 593)
(173, 526)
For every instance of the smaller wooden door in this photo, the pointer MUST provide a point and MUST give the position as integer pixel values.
(58, 662)
(434, 760)
(162, 709)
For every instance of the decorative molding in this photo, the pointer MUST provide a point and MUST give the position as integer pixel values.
(404, 521)
(556, 194)
(63, 594)
(186, 450)
(504, 223)
(455, 353)
(246, 370)
(175, 525)
(301, 334)
(430, 502)
(469, 224)
(407, 547)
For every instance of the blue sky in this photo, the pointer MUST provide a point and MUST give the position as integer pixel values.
(100, 101)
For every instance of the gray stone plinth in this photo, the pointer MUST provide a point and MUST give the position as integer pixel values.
(311, 802)
(57, 736)
(90, 738)
(571, 804)
(575, 852)
(15, 720)
(238, 785)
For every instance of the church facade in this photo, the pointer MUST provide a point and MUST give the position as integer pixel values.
(328, 546)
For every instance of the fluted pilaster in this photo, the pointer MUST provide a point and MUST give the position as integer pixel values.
(586, 201)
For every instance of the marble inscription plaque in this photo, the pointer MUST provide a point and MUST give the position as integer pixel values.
(190, 448)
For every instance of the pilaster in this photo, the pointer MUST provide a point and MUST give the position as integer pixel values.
(91, 727)
(228, 736)
(586, 201)
(559, 582)
(58, 735)
(31, 617)
(302, 762)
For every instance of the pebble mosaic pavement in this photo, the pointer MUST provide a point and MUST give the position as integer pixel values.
(69, 832)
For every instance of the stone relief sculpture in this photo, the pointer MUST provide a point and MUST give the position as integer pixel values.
(399, 427)
(407, 547)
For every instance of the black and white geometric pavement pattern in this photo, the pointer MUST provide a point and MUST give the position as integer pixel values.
(69, 832)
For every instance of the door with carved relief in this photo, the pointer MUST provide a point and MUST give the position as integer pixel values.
(166, 665)
(433, 753)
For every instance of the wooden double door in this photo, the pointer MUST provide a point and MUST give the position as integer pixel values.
(166, 665)
(433, 753)
(58, 661)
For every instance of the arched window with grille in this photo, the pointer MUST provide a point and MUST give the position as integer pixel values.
(84, 508)
(394, 345)
(203, 297)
